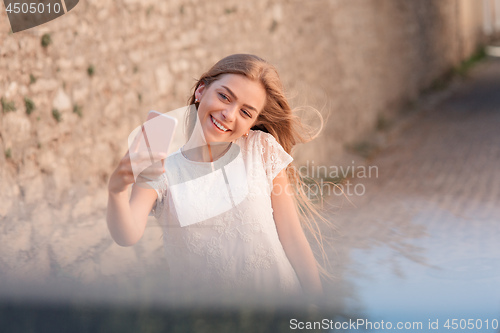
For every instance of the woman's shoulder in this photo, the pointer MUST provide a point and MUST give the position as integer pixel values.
(264, 143)
(272, 154)
(260, 138)
(252, 142)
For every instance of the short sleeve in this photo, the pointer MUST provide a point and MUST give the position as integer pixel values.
(274, 157)
(160, 186)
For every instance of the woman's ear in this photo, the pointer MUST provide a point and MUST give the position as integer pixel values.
(199, 91)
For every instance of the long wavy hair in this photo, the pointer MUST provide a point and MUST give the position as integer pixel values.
(278, 119)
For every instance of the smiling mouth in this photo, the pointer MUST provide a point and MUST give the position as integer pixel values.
(218, 125)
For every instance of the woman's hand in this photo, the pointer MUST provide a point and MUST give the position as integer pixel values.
(136, 166)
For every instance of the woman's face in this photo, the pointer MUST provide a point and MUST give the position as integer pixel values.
(229, 107)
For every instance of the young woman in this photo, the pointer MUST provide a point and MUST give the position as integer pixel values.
(227, 203)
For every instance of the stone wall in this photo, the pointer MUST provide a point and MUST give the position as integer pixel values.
(110, 62)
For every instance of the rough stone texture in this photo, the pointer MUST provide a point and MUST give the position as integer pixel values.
(353, 60)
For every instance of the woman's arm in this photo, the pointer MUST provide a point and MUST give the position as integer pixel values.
(127, 219)
(292, 236)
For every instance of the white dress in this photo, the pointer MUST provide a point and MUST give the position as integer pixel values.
(236, 246)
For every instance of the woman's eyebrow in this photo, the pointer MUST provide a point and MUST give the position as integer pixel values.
(236, 98)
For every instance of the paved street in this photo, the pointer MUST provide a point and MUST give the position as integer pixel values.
(424, 236)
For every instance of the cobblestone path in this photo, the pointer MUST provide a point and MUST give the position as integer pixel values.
(425, 235)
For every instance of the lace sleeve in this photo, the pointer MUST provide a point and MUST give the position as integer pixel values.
(160, 186)
(274, 157)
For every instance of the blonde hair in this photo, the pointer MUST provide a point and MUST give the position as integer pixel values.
(278, 119)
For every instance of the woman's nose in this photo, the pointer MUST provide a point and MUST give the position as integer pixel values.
(229, 113)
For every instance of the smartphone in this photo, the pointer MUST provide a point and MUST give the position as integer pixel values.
(158, 132)
(154, 136)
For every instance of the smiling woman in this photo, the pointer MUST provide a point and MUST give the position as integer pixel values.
(230, 222)
(229, 107)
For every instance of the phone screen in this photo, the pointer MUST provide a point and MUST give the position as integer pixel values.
(154, 136)
(158, 132)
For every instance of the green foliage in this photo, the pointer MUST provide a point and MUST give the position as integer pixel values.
(78, 110)
(273, 26)
(443, 81)
(91, 70)
(382, 123)
(32, 79)
(365, 149)
(46, 40)
(57, 115)
(7, 106)
(149, 10)
(230, 10)
(30, 105)
(467, 64)
(8, 153)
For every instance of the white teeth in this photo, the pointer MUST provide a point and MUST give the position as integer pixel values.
(218, 124)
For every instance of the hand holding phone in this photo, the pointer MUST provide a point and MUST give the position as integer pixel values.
(148, 141)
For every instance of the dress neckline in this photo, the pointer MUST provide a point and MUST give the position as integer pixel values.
(227, 154)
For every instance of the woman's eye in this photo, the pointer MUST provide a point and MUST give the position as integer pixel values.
(224, 97)
(246, 113)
